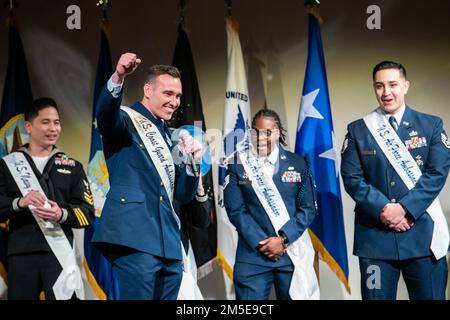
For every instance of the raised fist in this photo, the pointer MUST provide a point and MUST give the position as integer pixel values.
(126, 65)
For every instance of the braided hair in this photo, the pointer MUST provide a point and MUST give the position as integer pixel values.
(268, 113)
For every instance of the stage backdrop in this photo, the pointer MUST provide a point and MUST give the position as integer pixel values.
(62, 64)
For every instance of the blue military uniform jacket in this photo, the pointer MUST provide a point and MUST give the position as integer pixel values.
(137, 211)
(372, 182)
(251, 220)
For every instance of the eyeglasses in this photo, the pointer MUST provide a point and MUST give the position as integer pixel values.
(262, 132)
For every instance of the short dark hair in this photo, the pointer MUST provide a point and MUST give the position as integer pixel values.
(267, 113)
(159, 69)
(389, 65)
(41, 103)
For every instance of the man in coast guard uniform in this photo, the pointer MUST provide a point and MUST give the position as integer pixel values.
(137, 231)
(261, 259)
(396, 229)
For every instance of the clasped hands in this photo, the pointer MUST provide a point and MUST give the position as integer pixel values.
(394, 217)
(272, 248)
(47, 212)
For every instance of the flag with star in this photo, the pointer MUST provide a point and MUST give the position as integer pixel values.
(99, 271)
(16, 97)
(190, 112)
(315, 138)
(236, 120)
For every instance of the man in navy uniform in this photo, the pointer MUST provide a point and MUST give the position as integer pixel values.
(138, 230)
(394, 164)
(263, 256)
(35, 263)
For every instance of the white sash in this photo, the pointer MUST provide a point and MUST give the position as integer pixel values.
(162, 159)
(69, 281)
(304, 284)
(409, 172)
(189, 289)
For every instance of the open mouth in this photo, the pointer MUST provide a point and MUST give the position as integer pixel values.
(262, 148)
(387, 101)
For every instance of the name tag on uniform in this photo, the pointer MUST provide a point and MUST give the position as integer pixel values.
(244, 180)
(369, 152)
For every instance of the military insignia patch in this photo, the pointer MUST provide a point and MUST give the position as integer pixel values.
(80, 217)
(64, 171)
(87, 186)
(413, 133)
(89, 198)
(445, 141)
(291, 177)
(419, 161)
(283, 157)
(415, 143)
(344, 145)
(291, 168)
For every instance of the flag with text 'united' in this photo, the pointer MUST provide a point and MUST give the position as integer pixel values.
(16, 97)
(99, 271)
(235, 123)
(315, 138)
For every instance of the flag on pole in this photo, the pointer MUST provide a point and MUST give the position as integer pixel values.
(99, 271)
(315, 138)
(16, 97)
(236, 121)
(190, 112)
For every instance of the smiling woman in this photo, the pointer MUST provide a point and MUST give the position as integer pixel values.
(270, 199)
(267, 131)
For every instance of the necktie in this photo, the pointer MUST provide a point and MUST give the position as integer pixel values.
(393, 122)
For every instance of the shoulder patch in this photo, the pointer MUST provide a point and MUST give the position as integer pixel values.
(445, 141)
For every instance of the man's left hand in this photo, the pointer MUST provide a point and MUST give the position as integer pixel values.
(52, 214)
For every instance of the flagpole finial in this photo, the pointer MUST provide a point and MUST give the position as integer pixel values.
(182, 8)
(312, 8)
(229, 7)
(11, 5)
(313, 3)
(104, 4)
